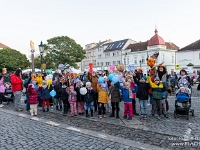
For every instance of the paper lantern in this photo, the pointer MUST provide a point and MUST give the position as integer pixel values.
(83, 91)
(115, 79)
(110, 76)
(53, 93)
(131, 67)
(91, 67)
(151, 62)
(101, 80)
(112, 67)
(120, 67)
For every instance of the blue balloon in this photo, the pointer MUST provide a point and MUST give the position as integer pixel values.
(110, 76)
(101, 80)
(53, 93)
(115, 79)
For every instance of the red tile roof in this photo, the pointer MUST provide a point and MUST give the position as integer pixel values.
(193, 46)
(3, 46)
(156, 40)
(143, 46)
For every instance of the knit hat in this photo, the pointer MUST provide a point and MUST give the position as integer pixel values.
(71, 87)
(103, 85)
(156, 79)
(88, 84)
(143, 77)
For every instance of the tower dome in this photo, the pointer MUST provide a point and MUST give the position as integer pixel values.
(156, 40)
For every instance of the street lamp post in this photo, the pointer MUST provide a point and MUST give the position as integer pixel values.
(32, 56)
(140, 63)
(41, 48)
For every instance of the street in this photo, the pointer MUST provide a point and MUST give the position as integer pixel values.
(51, 130)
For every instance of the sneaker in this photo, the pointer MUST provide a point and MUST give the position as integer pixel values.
(125, 116)
(104, 116)
(1, 105)
(100, 117)
(129, 118)
(145, 117)
(158, 118)
(20, 109)
(166, 116)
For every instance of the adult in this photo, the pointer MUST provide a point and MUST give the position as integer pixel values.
(94, 80)
(184, 78)
(16, 81)
(193, 77)
(84, 78)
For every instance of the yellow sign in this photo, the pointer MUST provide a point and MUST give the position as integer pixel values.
(43, 66)
(177, 66)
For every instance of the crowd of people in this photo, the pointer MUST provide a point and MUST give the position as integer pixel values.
(65, 91)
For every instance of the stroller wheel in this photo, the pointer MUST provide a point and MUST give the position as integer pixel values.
(192, 112)
(175, 115)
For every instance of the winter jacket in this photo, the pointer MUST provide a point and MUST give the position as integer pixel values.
(93, 80)
(16, 83)
(89, 96)
(80, 98)
(33, 95)
(45, 93)
(115, 93)
(125, 93)
(64, 95)
(102, 95)
(72, 98)
(2, 88)
(132, 86)
(58, 89)
(143, 88)
(156, 89)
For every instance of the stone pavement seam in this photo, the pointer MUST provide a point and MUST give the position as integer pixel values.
(87, 132)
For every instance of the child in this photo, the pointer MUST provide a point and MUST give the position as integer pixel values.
(33, 99)
(72, 98)
(142, 94)
(64, 98)
(183, 96)
(115, 94)
(89, 99)
(102, 99)
(127, 98)
(58, 89)
(80, 98)
(45, 94)
(157, 89)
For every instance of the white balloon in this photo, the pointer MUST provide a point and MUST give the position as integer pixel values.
(83, 91)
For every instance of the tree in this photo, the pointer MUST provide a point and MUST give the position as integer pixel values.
(46, 60)
(62, 50)
(13, 59)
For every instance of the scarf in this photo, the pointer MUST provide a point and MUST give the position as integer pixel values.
(160, 74)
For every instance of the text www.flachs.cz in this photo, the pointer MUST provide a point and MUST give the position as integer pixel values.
(186, 143)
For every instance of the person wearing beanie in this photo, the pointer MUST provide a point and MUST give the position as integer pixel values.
(64, 98)
(142, 94)
(16, 81)
(157, 90)
(89, 99)
(80, 98)
(72, 98)
(102, 99)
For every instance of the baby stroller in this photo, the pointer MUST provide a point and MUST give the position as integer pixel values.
(8, 95)
(183, 103)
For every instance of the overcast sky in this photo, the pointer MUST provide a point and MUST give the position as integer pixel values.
(88, 21)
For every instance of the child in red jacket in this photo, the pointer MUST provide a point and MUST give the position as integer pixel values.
(33, 99)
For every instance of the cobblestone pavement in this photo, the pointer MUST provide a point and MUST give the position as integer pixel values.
(22, 133)
(163, 133)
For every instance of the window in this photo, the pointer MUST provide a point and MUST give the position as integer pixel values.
(94, 62)
(127, 60)
(99, 50)
(118, 44)
(107, 63)
(114, 62)
(99, 56)
(172, 59)
(97, 64)
(143, 60)
(135, 60)
(107, 55)
(114, 54)
(118, 62)
(101, 63)
(118, 54)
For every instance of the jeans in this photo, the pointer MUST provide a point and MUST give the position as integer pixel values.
(89, 106)
(143, 107)
(27, 102)
(17, 99)
(157, 106)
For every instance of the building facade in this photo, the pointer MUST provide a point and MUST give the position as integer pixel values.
(111, 53)
(137, 53)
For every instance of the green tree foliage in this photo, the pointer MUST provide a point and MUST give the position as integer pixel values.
(45, 60)
(62, 49)
(13, 59)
